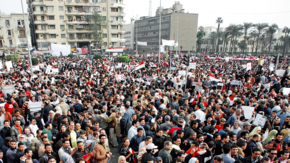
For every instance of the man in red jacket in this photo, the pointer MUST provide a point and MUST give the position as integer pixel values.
(9, 106)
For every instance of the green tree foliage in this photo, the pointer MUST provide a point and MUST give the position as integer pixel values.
(200, 35)
(123, 59)
(242, 45)
(34, 61)
(71, 55)
(97, 56)
(97, 23)
(12, 57)
(271, 30)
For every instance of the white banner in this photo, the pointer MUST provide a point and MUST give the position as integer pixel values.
(58, 49)
(55, 71)
(236, 82)
(9, 65)
(119, 77)
(8, 89)
(192, 65)
(182, 73)
(35, 106)
(260, 120)
(280, 72)
(168, 42)
(48, 69)
(271, 66)
(249, 66)
(162, 48)
(286, 91)
(35, 68)
(1, 65)
(248, 111)
(141, 43)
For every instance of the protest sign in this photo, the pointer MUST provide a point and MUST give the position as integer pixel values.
(55, 71)
(267, 86)
(271, 66)
(260, 120)
(280, 72)
(236, 82)
(48, 69)
(249, 66)
(9, 65)
(248, 111)
(34, 106)
(119, 77)
(192, 65)
(2, 105)
(182, 73)
(35, 68)
(8, 89)
(286, 91)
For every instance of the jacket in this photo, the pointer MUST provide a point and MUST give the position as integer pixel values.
(165, 155)
(198, 154)
(249, 159)
(101, 154)
(250, 146)
(111, 120)
(11, 155)
(147, 157)
(15, 132)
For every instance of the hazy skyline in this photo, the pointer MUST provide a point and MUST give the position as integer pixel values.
(254, 11)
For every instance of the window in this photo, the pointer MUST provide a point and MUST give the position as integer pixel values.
(62, 27)
(61, 17)
(114, 27)
(42, 18)
(104, 43)
(88, 36)
(71, 36)
(114, 43)
(50, 8)
(19, 22)
(62, 35)
(44, 36)
(9, 32)
(41, 8)
(104, 35)
(60, 8)
(95, 1)
(115, 35)
(69, 9)
(10, 42)
(114, 9)
(7, 23)
(43, 27)
(52, 35)
(79, 36)
(103, 0)
(70, 26)
(51, 17)
(104, 18)
(51, 26)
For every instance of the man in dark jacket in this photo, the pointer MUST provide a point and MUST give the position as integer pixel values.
(164, 153)
(255, 157)
(6, 130)
(19, 152)
(45, 111)
(251, 145)
(158, 141)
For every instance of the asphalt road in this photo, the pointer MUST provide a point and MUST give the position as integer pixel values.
(115, 155)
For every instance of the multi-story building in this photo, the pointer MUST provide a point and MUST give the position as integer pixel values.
(12, 33)
(129, 36)
(63, 22)
(173, 25)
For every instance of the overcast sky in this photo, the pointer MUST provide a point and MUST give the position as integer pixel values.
(255, 11)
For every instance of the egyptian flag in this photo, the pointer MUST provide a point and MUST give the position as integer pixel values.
(140, 66)
(165, 64)
(199, 152)
(207, 58)
(212, 77)
(132, 156)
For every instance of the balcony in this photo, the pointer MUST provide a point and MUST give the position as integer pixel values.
(22, 36)
(37, 3)
(41, 31)
(21, 27)
(39, 12)
(76, 12)
(40, 22)
(77, 2)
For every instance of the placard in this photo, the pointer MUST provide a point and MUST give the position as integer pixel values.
(280, 72)
(271, 66)
(248, 111)
(182, 73)
(35, 106)
(47, 71)
(260, 120)
(286, 91)
(35, 68)
(267, 86)
(55, 71)
(119, 77)
(236, 82)
(192, 65)
(9, 65)
(8, 89)
(249, 66)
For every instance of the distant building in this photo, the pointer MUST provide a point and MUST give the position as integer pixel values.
(12, 33)
(129, 36)
(148, 29)
(63, 22)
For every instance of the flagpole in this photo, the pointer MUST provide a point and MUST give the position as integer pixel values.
(159, 33)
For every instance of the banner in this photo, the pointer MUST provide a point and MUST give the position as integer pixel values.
(48, 69)
(34, 106)
(236, 82)
(248, 111)
(55, 71)
(9, 65)
(141, 43)
(1, 65)
(280, 72)
(260, 120)
(58, 49)
(182, 73)
(197, 84)
(271, 66)
(286, 91)
(35, 68)
(227, 59)
(8, 89)
(119, 77)
(168, 42)
(249, 66)
(192, 65)
(162, 48)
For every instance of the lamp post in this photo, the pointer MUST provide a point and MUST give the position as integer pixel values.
(26, 37)
(159, 33)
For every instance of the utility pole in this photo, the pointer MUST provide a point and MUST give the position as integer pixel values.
(26, 36)
(136, 39)
(159, 32)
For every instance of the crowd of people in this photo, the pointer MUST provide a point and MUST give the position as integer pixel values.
(151, 115)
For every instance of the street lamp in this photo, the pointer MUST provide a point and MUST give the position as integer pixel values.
(26, 37)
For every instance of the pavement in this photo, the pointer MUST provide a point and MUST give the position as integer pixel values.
(115, 155)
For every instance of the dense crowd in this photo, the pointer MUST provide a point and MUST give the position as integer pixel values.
(151, 115)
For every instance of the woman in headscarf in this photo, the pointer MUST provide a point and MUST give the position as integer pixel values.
(66, 158)
(271, 136)
(257, 130)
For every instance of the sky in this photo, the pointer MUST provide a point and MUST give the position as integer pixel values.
(232, 11)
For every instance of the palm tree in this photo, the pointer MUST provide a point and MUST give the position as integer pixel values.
(254, 35)
(200, 35)
(246, 27)
(235, 32)
(219, 21)
(286, 30)
(260, 27)
(271, 30)
(212, 38)
(226, 39)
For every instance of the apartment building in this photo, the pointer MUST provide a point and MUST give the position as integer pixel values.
(12, 33)
(63, 22)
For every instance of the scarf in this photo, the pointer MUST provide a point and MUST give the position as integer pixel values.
(132, 156)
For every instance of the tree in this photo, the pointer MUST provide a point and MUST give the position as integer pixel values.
(254, 35)
(226, 39)
(212, 38)
(200, 35)
(285, 30)
(96, 23)
(260, 27)
(271, 30)
(219, 21)
(242, 45)
(235, 32)
(246, 27)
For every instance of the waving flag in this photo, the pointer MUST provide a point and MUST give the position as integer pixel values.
(141, 65)
(212, 77)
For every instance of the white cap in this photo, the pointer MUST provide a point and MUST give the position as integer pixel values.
(151, 146)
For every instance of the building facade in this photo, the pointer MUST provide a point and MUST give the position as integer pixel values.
(129, 36)
(185, 24)
(12, 33)
(63, 22)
